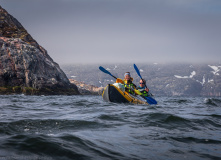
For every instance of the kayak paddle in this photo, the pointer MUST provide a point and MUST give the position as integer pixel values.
(106, 71)
(118, 80)
(150, 100)
(138, 72)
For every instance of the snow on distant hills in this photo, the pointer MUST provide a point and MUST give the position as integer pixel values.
(203, 81)
(216, 69)
(191, 75)
(162, 79)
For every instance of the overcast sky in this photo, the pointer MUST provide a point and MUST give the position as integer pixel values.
(98, 31)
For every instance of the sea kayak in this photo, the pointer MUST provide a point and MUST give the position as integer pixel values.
(112, 93)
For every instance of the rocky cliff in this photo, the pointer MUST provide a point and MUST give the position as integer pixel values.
(86, 89)
(25, 66)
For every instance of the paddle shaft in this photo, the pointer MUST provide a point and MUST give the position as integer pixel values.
(138, 72)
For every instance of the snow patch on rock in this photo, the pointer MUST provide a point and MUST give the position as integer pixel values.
(216, 69)
(181, 76)
(191, 75)
(210, 80)
(203, 81)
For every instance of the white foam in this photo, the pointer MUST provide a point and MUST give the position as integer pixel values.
(26, 129)
(108, 69)
(141, 70)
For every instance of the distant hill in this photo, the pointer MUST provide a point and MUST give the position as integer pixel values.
(162, 79)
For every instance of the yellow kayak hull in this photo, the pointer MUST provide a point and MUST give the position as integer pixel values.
(113, 94)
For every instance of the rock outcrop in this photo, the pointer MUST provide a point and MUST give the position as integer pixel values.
(25, 66)
(86, 89)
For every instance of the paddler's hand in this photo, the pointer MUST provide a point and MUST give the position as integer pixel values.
(147, 89)
(119, 81)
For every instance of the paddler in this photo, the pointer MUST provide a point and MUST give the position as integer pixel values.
(128, 83)
(143, 90)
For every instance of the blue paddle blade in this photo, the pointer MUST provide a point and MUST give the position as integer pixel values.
(105, 71)
(150, 100)
(137, 70)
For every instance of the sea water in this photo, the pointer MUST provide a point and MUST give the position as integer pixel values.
(86, 127)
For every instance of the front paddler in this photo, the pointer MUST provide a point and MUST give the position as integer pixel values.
(128, 83)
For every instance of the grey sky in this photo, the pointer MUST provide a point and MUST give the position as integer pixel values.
(97, 31)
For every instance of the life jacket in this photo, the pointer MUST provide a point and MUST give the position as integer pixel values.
(143, 91)
(129, 87)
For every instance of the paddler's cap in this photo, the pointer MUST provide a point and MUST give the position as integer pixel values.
(127, 73)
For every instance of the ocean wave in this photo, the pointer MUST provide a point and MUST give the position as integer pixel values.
(196, 140)
(179, 101)
(166, 118)
(47, 126)
(64, 146)
(212, 102)
(86, 127)
(111, 117)
(47, 147)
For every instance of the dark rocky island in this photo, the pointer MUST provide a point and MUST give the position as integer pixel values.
(25, 66)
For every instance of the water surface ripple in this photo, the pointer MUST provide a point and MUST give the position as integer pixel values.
(86, 127)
